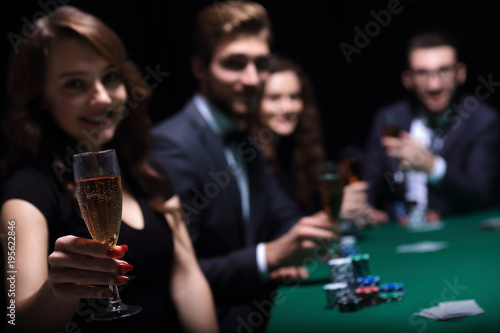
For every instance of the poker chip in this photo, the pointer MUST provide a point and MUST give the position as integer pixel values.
(360, 264)
(349, 303)
(368, 281)
(388, 287)
(369, 295)
(348, 246)
(391, 296)
(352, 288)
(341, 270)
(333, 292)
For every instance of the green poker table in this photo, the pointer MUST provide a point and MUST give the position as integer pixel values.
(467, 268)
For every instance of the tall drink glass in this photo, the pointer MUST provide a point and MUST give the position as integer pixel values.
(99, 194)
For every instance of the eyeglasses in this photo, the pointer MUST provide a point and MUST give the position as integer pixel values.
(444, 73)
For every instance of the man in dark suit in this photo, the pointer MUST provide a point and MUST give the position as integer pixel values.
(445, 156)
(246, 231)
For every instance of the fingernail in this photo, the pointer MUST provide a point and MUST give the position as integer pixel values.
(124, 248)
(112, 252)
(120, 279)
(124, 267)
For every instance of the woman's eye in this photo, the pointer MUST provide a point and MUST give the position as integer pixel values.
(112, 78)
(273, 97)
(74, 84)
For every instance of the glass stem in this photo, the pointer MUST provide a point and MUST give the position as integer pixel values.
(115, 303)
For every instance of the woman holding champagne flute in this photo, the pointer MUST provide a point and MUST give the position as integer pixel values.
(73, 90)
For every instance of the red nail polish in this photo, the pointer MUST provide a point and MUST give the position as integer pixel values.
(124, 267)
(112, 252)
(121, 279)
(124, 248)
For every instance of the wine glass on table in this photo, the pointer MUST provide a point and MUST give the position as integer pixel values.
(99, 195)
(331, 180)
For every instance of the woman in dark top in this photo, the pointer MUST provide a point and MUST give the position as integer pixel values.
(287, 126)
(72, 89)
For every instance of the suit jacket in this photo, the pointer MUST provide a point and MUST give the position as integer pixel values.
(469, 142)
(192, 156)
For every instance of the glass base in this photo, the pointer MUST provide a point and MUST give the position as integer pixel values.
(117, 310)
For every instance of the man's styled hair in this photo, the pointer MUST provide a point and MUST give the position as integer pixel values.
(228, 18)
(434, 38)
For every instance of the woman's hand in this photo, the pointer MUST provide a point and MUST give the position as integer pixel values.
(83, 268)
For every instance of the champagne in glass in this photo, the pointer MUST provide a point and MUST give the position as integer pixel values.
(99, 195)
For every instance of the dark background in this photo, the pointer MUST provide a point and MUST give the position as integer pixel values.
(158, 34)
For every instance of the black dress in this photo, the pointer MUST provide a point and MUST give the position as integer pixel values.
(150, 252)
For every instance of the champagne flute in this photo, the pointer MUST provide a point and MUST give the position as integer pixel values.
(99, 195)
(331, 179)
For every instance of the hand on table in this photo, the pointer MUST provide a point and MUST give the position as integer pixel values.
(78, 266)
(308, 239)
(289, 273)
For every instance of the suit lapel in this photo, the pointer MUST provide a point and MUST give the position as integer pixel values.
(212, 152)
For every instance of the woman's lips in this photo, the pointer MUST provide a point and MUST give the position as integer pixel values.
(101, 120)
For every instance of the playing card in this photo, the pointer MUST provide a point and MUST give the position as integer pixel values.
(452, 310)
(424, 246)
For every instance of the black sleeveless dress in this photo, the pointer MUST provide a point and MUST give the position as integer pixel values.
(150, 252)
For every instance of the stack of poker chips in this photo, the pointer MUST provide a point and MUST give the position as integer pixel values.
(348, 246)
(342, 270)
(369, 295)
(360, 264)
(334, 292)
(352, 287)
(391, 292)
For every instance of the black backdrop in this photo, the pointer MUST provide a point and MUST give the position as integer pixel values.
(348, 88)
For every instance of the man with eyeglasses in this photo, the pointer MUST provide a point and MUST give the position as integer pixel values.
(247, 233)
(448, 142)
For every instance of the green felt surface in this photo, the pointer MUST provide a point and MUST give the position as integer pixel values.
(469, 268)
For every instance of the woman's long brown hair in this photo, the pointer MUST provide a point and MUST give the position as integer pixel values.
(308, 147)
(31, 131)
